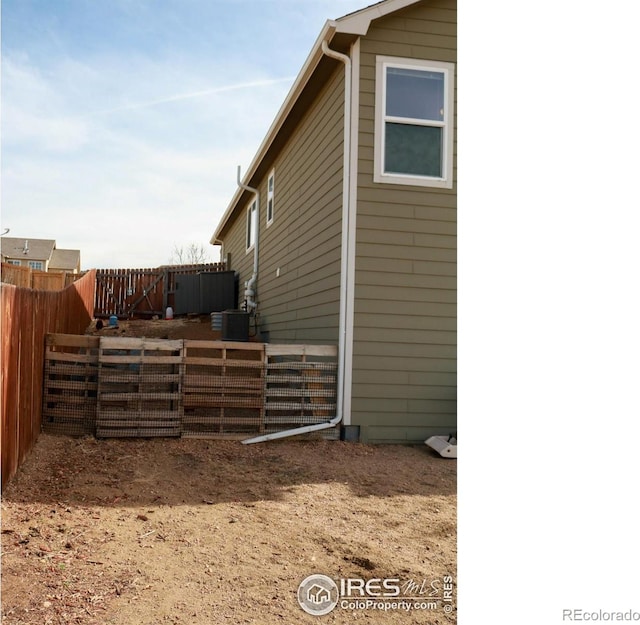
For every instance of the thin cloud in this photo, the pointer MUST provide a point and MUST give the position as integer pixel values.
(194, 94)
(76, 74)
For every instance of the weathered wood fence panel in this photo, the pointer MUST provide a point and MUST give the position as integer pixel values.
(300, 385)
(193, 389)
(27, 316)
(223, 388)
(139, 387)
(141, 292)
(70, 384)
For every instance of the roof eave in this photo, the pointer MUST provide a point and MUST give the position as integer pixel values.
(356, 24)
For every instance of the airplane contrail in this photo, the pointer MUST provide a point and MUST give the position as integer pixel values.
(193, 94)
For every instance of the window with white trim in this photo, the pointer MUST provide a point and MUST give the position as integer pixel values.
(14, 262)
(36, 264)
(270, 196)
(414, 122)
(252, 225)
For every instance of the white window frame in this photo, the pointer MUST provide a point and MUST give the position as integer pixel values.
(251, 230)
(38, 265)
(379, 175)
(271, 181)
(17, 263)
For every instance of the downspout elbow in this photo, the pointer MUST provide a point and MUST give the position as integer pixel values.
(345, 58)
(244, 186)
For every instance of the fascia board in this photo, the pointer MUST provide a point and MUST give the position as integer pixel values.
(358, 23)
(355, 24)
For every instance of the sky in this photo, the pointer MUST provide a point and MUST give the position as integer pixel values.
(123, 122)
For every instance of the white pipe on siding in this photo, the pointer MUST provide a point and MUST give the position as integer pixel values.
(344, 263)
(250, 286)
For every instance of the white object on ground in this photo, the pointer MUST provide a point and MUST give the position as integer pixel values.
(446, 446)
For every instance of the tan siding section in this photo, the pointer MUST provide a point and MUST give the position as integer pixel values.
(303, 242)
(404, 373)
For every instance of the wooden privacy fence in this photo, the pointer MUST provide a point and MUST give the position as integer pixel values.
(27, 317)
(35, 279)
(141, 292)
(128, 387)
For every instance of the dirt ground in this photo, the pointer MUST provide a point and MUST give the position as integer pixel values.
(193, 531)
(196, 328)
(190, 532)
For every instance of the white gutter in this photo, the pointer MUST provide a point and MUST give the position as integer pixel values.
(344, 262)
(250, 286)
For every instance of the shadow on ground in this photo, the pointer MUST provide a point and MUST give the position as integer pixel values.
(122, 472)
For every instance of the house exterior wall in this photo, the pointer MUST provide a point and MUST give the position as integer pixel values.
(22, 262)
(75, 270)
(299, 253)
(404, 351)
(403, 375)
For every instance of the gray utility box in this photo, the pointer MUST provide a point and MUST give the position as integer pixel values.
(206, 292)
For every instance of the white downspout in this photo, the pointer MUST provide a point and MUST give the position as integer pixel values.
(343, 263)
(250, 286)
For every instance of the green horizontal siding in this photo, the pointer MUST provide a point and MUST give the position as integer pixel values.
(299, 262)
(404, 351)
(403, 435)
(404, 375)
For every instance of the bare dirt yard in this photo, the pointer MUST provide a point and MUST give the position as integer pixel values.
(190, 532)
(181, 531)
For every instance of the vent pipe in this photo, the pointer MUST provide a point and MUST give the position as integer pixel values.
(250, 286)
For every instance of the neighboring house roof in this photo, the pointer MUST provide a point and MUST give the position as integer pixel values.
(339, 35)
(44, 250)
(27, 249)
(67, 260)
